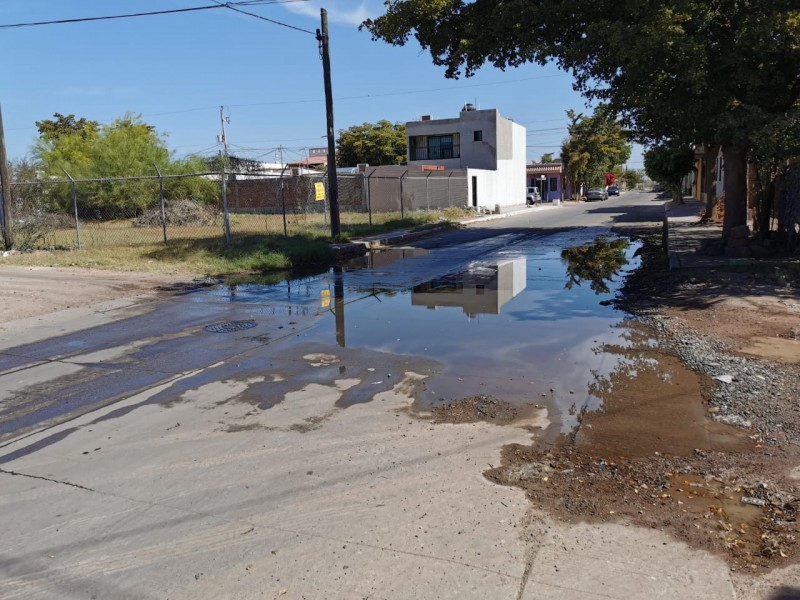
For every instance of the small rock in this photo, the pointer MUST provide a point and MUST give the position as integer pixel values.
(724, 378)
(753, 501)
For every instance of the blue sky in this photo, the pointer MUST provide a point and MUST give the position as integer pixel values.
(177, 70)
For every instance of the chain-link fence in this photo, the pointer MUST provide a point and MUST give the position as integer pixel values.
(69, 213)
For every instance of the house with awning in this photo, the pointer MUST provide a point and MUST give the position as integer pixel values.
(549, 179)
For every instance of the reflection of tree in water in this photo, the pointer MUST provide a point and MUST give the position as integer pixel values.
(597, 263)
(374, 291)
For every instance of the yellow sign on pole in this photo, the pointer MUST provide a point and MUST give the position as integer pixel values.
(319, 188)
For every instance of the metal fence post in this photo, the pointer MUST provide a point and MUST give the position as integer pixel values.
(402, 210)
(161, 202)
(325, 202)
(225, 209)
(283, 204)
(75, 207)
(369, 196)
(427, 191)
(449, 198)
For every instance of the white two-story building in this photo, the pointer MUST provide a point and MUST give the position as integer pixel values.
(490, 147)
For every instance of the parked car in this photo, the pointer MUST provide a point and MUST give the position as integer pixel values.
(613, 190)
(596, 194)
(533, 196)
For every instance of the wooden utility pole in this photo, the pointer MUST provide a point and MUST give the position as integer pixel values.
(333, 184)
(5, 191)
(223, 138)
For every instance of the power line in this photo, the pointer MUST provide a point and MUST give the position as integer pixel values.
(362, 97)
(273, 21)
(229, 5)
(551, 130)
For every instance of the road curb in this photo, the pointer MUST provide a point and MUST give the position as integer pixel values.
(360, 246)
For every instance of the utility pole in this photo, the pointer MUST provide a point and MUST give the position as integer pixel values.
(5, 191)
(333, 185)
(223, 138)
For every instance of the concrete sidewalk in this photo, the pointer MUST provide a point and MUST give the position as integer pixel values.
(685, 237)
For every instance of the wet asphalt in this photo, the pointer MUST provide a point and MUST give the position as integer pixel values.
(486, 309)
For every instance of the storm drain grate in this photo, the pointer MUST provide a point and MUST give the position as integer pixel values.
(230, 326)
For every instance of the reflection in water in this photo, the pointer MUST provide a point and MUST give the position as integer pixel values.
(483, 288)
(597, 263)
(531, 338)
(338, 305)
(380, 258)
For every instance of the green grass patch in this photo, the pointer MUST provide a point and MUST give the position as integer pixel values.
(258, 245)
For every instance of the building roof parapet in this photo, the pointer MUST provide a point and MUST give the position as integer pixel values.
(555, 167)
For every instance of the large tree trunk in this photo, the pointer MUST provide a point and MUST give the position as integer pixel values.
(735, 190)
(677, 193)
(709, 184)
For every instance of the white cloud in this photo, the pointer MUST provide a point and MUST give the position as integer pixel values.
(348, 12)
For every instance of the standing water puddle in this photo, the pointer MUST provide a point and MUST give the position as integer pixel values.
(530, 323)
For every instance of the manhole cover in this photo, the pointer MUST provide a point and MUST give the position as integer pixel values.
(230, 326)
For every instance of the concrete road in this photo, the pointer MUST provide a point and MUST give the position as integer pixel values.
(196, 447)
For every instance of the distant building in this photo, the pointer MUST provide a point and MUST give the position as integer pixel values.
(317, 158)
(489, 146)
(549, 179)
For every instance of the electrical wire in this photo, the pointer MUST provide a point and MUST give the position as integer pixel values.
(273, 21)
(229, 5)
(362, 97)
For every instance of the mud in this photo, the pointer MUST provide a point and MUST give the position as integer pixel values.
(720, 502)
(650, 452)
(477, 408)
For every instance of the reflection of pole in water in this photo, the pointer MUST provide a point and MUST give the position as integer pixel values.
(338, 305)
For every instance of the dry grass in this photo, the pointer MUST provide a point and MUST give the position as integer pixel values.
(258, 244)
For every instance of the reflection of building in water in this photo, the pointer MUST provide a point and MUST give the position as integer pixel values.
(380, 258)
(483, 288)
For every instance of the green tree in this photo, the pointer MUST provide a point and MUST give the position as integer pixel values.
(595, 145)
(668, 164)
(126, 147)
(199, 189)
(382, 143)
(688, 71)
(632, 178)
(60, 125)
(547, 158)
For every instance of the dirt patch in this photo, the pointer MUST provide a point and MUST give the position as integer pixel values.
(714, 501)
(179, 213)
(476, 408)
(35, 291)
(741, 306)
(666, 447)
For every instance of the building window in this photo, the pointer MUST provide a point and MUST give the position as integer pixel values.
(477, 135)
(434, 147)
(554, 184)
